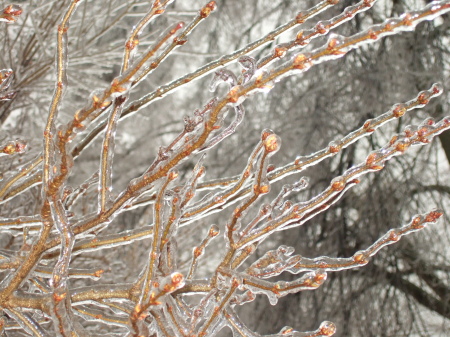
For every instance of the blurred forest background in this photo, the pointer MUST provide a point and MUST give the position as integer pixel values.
(405, 290)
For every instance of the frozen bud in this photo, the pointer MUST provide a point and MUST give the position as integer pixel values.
(319, 278)
(407, 19)
(334, 44)
(391, 23)
(327, 328)
(334, 147)
(173, 175)
(287, 204)
(360, 258)
(208, 9)
(176, 28)
(14, 147)
(261, 189)
(402, 144)
(398, 110)
(117, 87)
(131, 44)
(368, 126)
(286, 250)
(272, 143)
(302, 62)
(424, 133)
(338, 184)
(177, 279)
(300, 39)
(280, 52)
(234, 95)
(58, 297)
(429, 121)
(13, 10)
(265, 209)
(437, 89)
(372, 34)
(300, 18)
(445, 122)
(173, 282)
(219, 199)
(393, 236)
(417, 222)
(321, 28)
(10, 13)
(189, 124)
(300, 185)
(374, 161)
(287, 330)
(410, 130)
(349, 12)
(266, 133)
(214, 231)
(434, 215)
(422, 99)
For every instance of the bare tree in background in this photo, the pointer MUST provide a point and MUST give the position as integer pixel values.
(107, 232)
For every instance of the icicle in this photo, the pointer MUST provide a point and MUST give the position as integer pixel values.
(249, 65)
(246, 297)
(273, 262)
(239, 109)
(274, 291)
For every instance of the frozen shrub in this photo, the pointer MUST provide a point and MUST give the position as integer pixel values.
(55, 220)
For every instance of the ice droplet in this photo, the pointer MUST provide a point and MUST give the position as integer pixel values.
(327, 328)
